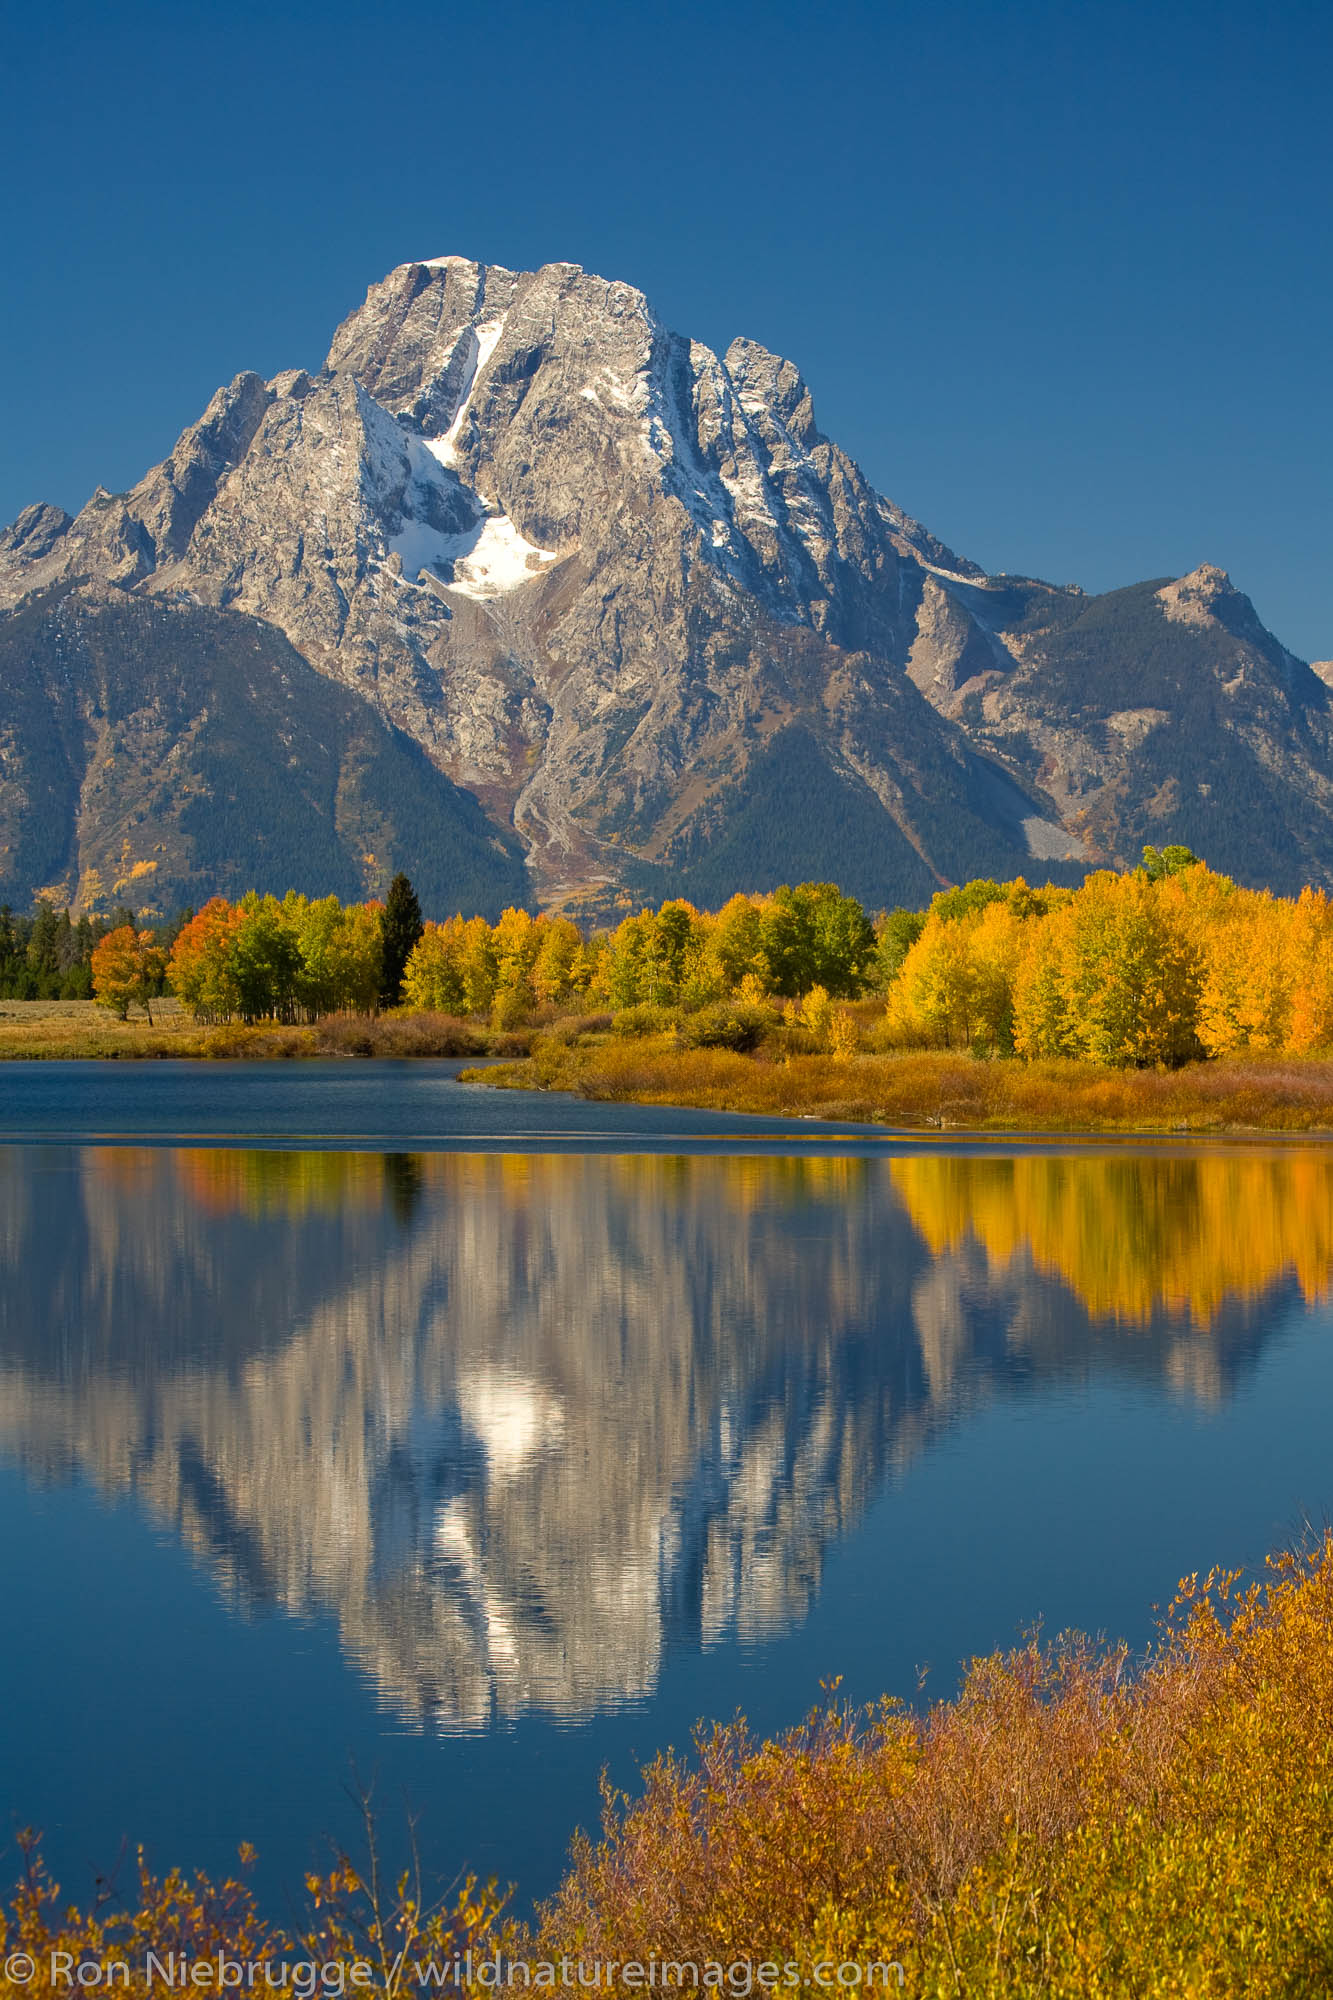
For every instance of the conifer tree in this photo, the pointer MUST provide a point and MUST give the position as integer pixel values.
(400, 927)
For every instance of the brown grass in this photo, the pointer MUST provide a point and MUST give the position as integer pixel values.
(937, 1091)
(33, 1029)
(71, 1028)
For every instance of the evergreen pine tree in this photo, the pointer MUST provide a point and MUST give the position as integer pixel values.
(400, 927)
(43, 940)
(11, 954)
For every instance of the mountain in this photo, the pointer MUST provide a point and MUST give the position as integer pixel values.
(163, 751)
(1160, 713)
(624, 592)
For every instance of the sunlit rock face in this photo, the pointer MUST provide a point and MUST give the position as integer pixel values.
(622, 588)
(522, 1424)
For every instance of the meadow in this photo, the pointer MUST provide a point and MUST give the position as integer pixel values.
(84, 1029)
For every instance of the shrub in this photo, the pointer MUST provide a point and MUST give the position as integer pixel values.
(350, 1916)
(573, 1028)
(728, 1025)
(1064, 1827)
(632, 1023)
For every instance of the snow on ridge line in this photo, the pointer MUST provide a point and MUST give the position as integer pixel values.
(484, 340)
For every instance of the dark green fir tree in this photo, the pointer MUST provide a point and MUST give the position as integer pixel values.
(400, 927)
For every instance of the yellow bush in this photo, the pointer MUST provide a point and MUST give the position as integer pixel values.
(1062, 1828)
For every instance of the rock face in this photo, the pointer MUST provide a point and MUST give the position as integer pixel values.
(1160, 713)
(623, 590)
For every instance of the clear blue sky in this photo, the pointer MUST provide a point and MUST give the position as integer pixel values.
(1060, 276)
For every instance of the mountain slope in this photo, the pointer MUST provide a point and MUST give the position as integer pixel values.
(166, 752)
(625, 591)
(1164, 712)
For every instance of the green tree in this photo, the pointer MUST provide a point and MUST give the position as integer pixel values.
(673, 946)
(736, 945)
(1158, 863)
(11, 952)
(43, 949)
(266, 960)
(967, 899)
(400, 927)
(897, 932)
(813, 935)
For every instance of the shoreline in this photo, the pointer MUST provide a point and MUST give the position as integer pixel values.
(916, 1095)
(951, 1098)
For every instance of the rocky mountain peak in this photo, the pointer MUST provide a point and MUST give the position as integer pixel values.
(34, 533)
(1198, 594)
(622, 588)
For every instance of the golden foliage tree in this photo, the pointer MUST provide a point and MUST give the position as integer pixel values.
(127, 968)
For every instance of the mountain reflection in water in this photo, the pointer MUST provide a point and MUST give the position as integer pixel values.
(522, 1422)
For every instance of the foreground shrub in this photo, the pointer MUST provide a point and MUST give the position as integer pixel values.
(352, 1916)
(914, 1089)
(631, 1023)
(575, 1027)
(1064, 1827)
(399, 1035)
(1067, 1826)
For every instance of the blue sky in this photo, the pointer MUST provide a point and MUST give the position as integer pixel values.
(1060, 276)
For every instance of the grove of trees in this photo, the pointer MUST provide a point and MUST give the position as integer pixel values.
(1164, 964)
(48, 954)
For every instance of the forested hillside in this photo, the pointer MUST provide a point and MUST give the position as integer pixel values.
(160, 753)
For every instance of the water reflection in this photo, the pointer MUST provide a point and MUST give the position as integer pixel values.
(521, 1423)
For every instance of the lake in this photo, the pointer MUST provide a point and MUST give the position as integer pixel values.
(362, 1427)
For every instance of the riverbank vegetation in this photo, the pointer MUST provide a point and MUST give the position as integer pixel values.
(928, 1090)
(1074, 1824)
(1166, 998)
(1162, 966)
(1064, 1827)
(82, 1030)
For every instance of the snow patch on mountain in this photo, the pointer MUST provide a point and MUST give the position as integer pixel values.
(482, 342)
(494, 558)
(727, 506)
(486, 560)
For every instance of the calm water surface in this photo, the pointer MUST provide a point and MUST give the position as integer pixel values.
(353, 1420)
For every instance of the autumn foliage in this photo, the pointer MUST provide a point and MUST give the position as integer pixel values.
(127, 969)
(1166, 965)
(352, 1917)
(1128, 971)
(783, 945)
(294, 960)
(1066, 1827)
